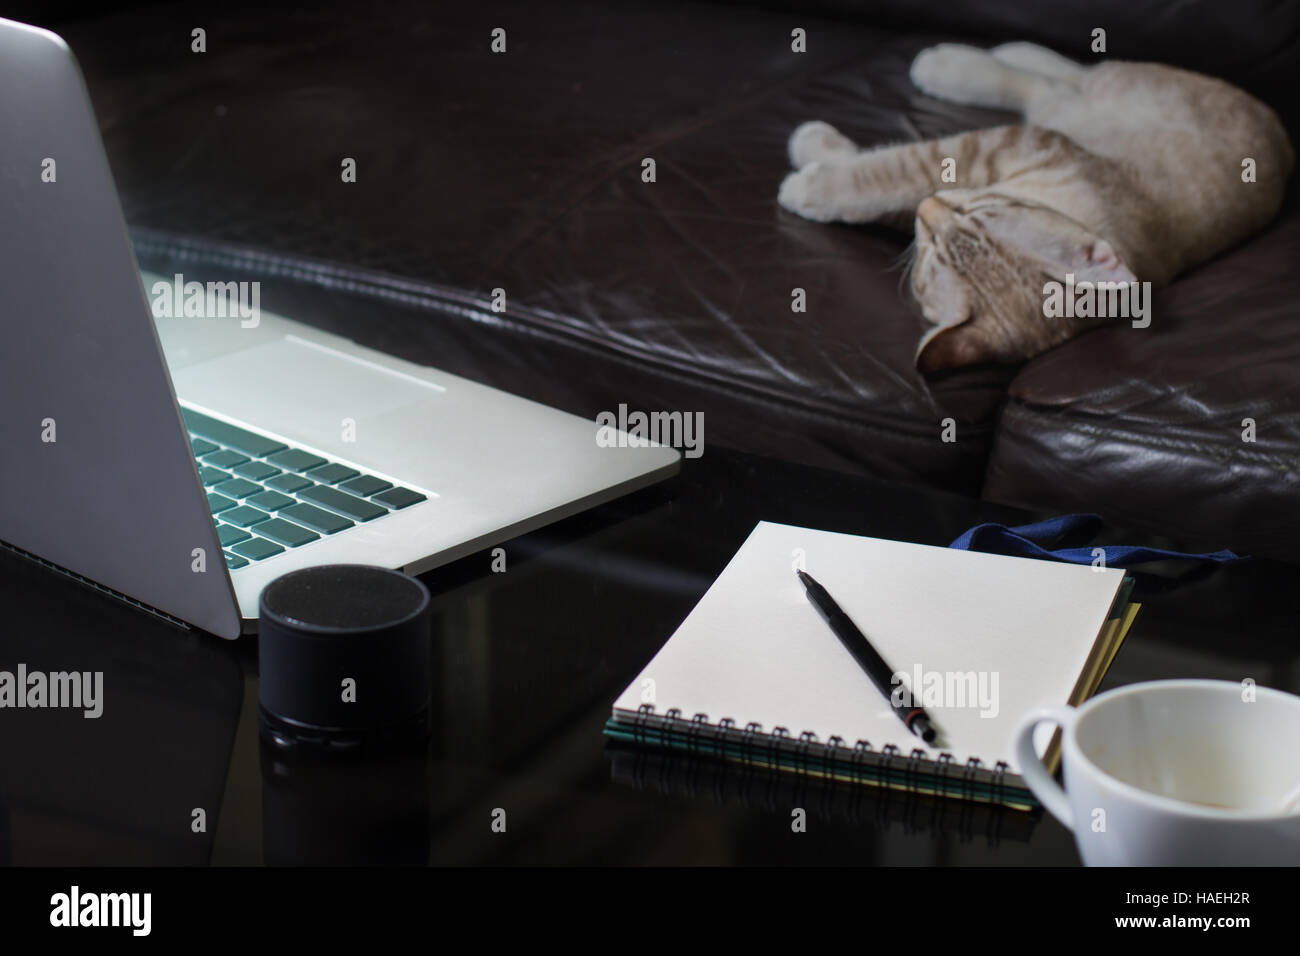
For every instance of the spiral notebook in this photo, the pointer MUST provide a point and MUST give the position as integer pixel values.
(676, 774)
(754, 675)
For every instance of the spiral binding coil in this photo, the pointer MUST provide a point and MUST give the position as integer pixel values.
(639, 724)
(698, 723)
(806, 755)
(967, 778)
(700, 776)
(806, 740)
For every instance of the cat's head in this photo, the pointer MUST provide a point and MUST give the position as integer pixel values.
(981, 263)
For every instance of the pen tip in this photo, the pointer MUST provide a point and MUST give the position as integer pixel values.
(924, 729)
(802, 575)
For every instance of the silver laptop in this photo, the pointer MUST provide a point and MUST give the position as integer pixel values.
(184, 461)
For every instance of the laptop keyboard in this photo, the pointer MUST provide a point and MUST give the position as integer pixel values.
(266, 496)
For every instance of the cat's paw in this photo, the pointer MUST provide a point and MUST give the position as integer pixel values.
(815, 141)
(810, 192)
(957, 73)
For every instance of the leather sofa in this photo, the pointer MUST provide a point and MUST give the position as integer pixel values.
(523, 171)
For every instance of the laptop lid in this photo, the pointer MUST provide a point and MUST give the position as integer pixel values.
(96, 470)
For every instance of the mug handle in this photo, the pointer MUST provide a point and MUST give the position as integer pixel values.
(1042, 783)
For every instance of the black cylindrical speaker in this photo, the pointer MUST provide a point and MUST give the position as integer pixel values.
(343, 654)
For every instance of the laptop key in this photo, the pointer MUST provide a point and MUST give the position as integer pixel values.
(315, 518)
(236, 488)
(287, 482)
(256, 470)
(269, 500)
(365, 486)
(332, 473)
(284, 532)
(234, 561)
(295, 459)
(211, 476)
(224, 458)
(228, 534)
(201, 446)
(218, 503)
(244, 516)
(255, 549)
(240, 439)
(398, 498)
(342, 502)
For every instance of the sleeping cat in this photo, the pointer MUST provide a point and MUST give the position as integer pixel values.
(1121, 172)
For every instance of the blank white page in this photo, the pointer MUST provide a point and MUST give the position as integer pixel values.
(755, 649)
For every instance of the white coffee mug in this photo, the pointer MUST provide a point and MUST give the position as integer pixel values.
(1174, 773)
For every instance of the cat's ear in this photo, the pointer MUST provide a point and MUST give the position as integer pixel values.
(1058, 244)
(951, 346)
(1097, 261)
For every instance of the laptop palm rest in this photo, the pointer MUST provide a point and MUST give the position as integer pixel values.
(310, 389)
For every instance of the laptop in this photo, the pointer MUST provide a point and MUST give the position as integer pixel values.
(183, 462)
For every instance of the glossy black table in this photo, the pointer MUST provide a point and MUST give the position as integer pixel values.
(527, 662)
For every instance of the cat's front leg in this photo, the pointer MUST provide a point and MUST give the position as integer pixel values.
(887, 183)
(879, 185)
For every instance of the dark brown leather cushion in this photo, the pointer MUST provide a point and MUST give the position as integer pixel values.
(522, 171)
(1146, 425)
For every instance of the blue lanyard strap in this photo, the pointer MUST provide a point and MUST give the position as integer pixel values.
(1044, 539)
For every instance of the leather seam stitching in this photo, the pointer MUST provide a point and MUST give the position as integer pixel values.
(1155, 443)
(377, 286)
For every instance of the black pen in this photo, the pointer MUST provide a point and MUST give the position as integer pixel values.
(855, 642)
